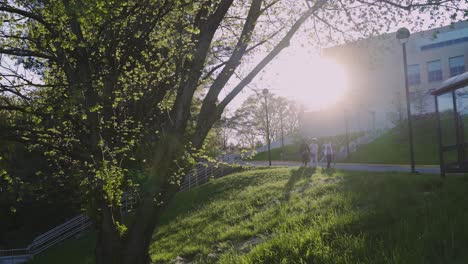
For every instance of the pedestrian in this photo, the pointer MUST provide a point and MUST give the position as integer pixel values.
(314, 152)
(328, 153)
(304, 152)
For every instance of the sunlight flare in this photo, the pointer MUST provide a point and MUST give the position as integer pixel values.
(312, 80)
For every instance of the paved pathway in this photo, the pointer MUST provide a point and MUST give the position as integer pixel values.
(358, 166)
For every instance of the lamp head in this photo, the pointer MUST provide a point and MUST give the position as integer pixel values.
(403, 35)
(265, 92)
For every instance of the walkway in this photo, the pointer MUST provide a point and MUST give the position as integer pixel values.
(434, 169)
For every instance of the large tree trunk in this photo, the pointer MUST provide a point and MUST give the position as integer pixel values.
(135, 245)
(109, 242)
(138, 242)
(141, 234)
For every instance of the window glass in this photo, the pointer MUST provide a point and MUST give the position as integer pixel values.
(434, 71)
(457, 65)
(414, 76)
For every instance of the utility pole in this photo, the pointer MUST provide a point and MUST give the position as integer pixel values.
(347, 131)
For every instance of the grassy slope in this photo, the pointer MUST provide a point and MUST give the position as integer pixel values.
(291, 152)
(393, 146)
(305, 216)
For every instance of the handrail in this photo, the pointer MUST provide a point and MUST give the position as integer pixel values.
(59, 226)
(58, 239)
(59, 233)
(77, 221)
(25, 250)
(44, 240)
(201, 173)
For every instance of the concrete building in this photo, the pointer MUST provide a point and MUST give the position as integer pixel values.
(376, 95)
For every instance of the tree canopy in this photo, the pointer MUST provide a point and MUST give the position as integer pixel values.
(102, 87)
(249, 120)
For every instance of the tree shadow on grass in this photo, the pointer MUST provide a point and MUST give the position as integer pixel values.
(186, 201)
(329, 171)
(297, 175)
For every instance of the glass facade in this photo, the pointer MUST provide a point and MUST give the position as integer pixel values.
(457, 65)
(414, 75)
(434, 71)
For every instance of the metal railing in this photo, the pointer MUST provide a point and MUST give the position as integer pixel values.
(203, 173)
(59, 233)
(14, 256)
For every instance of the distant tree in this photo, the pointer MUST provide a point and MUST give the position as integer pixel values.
(249, 120)
(419, 98)
(398, 109)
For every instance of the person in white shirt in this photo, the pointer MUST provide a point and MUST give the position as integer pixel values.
(328, 152)
(314, 152)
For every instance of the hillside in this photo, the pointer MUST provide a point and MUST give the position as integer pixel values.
(291, 152)
(393, 146)
(296, 215)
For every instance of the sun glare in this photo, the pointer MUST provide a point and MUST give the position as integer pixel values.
(310, 79)
(331, 84)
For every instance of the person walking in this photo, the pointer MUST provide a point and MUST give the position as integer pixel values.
(304, 151)
(328, 153)
(314, 152)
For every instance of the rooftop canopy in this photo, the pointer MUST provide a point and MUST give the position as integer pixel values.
(452, 84)
(451, 102)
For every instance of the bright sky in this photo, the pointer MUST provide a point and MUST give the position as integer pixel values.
(302, 74)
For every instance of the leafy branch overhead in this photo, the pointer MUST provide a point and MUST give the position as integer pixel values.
(105, 88)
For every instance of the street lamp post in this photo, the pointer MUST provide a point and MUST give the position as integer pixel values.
(265, 93)
(403, 35)
(282, 135)
(346, 131)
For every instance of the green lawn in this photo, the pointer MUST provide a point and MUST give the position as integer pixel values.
(291, 152)
(296, 215)
(324, 216)
(393, 146)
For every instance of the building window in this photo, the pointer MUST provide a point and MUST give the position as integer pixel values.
(414, 77)
(457, 65)
(434, 71)
(444, 43)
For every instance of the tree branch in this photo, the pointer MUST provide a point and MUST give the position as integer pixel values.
(181, 109)
(276, 50)
(24, 53)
